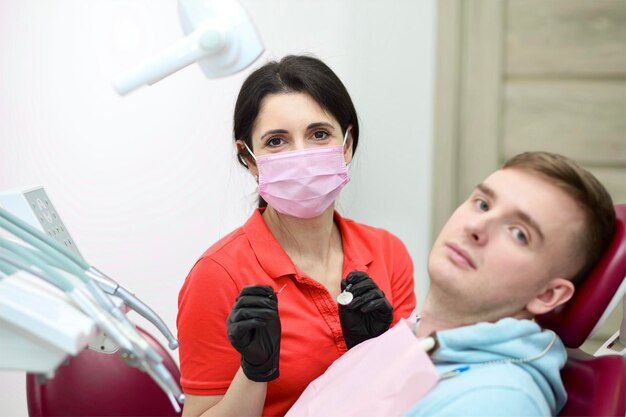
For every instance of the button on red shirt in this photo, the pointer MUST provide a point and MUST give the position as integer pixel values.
(311, 337)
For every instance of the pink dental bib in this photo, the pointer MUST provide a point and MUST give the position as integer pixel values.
(383, 376)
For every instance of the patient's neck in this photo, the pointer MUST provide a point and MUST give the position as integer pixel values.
(433, 320)
(439, 315)
(442, 313)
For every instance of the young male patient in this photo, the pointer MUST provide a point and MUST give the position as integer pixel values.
(515, 249)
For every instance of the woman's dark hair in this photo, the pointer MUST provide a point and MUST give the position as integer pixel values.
(293, 74)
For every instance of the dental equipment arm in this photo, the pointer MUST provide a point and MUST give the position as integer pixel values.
(25, 259)
(27, 232)
(113, 288)
(220, 37)
(135, 349)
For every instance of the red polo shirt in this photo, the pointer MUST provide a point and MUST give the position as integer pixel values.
(311, 335)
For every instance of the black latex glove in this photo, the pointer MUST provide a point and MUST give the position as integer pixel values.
(253, 328)
(369, 314)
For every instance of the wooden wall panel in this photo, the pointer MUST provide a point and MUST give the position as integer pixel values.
(446, 126)
(565, 37)
(582, 119)
(479, 124)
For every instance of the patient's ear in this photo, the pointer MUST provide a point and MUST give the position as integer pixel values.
(556, 292)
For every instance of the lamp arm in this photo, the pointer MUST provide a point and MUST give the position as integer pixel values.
(205, 41)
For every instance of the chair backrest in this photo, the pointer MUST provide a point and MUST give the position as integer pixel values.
(595, 385)
(101, 384)
(575, 320)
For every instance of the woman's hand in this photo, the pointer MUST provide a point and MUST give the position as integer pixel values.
(253, 327)
(368, 315)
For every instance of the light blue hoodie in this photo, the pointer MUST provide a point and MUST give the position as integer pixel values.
(515, 389)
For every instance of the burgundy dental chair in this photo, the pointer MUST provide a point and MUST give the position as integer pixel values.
(100, 384)
(596, 385)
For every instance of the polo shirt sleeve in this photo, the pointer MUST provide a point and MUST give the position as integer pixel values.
(402, 280)
(208, 362)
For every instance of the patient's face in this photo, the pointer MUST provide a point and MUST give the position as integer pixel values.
(502, 245)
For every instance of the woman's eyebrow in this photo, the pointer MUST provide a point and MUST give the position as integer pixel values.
(273, 132)
(320, 124)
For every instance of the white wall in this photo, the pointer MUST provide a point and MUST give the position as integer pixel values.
(145, 183)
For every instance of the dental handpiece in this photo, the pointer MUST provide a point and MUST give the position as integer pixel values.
(113, 288)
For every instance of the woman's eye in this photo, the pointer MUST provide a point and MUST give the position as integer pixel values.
(481, 204)
(519, 235)
(274, 142)
(320, 135)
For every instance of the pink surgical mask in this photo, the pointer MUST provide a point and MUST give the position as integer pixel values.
(302, 183)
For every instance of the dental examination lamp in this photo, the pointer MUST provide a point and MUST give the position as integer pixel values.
(40, 325)
(220, 37)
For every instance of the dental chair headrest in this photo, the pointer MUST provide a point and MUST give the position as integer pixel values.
(598, 294)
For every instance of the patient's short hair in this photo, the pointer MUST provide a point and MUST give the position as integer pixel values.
(590, 195)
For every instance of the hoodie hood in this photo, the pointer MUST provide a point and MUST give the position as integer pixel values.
(541, 352)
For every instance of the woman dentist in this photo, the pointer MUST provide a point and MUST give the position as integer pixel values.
(258, 313)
